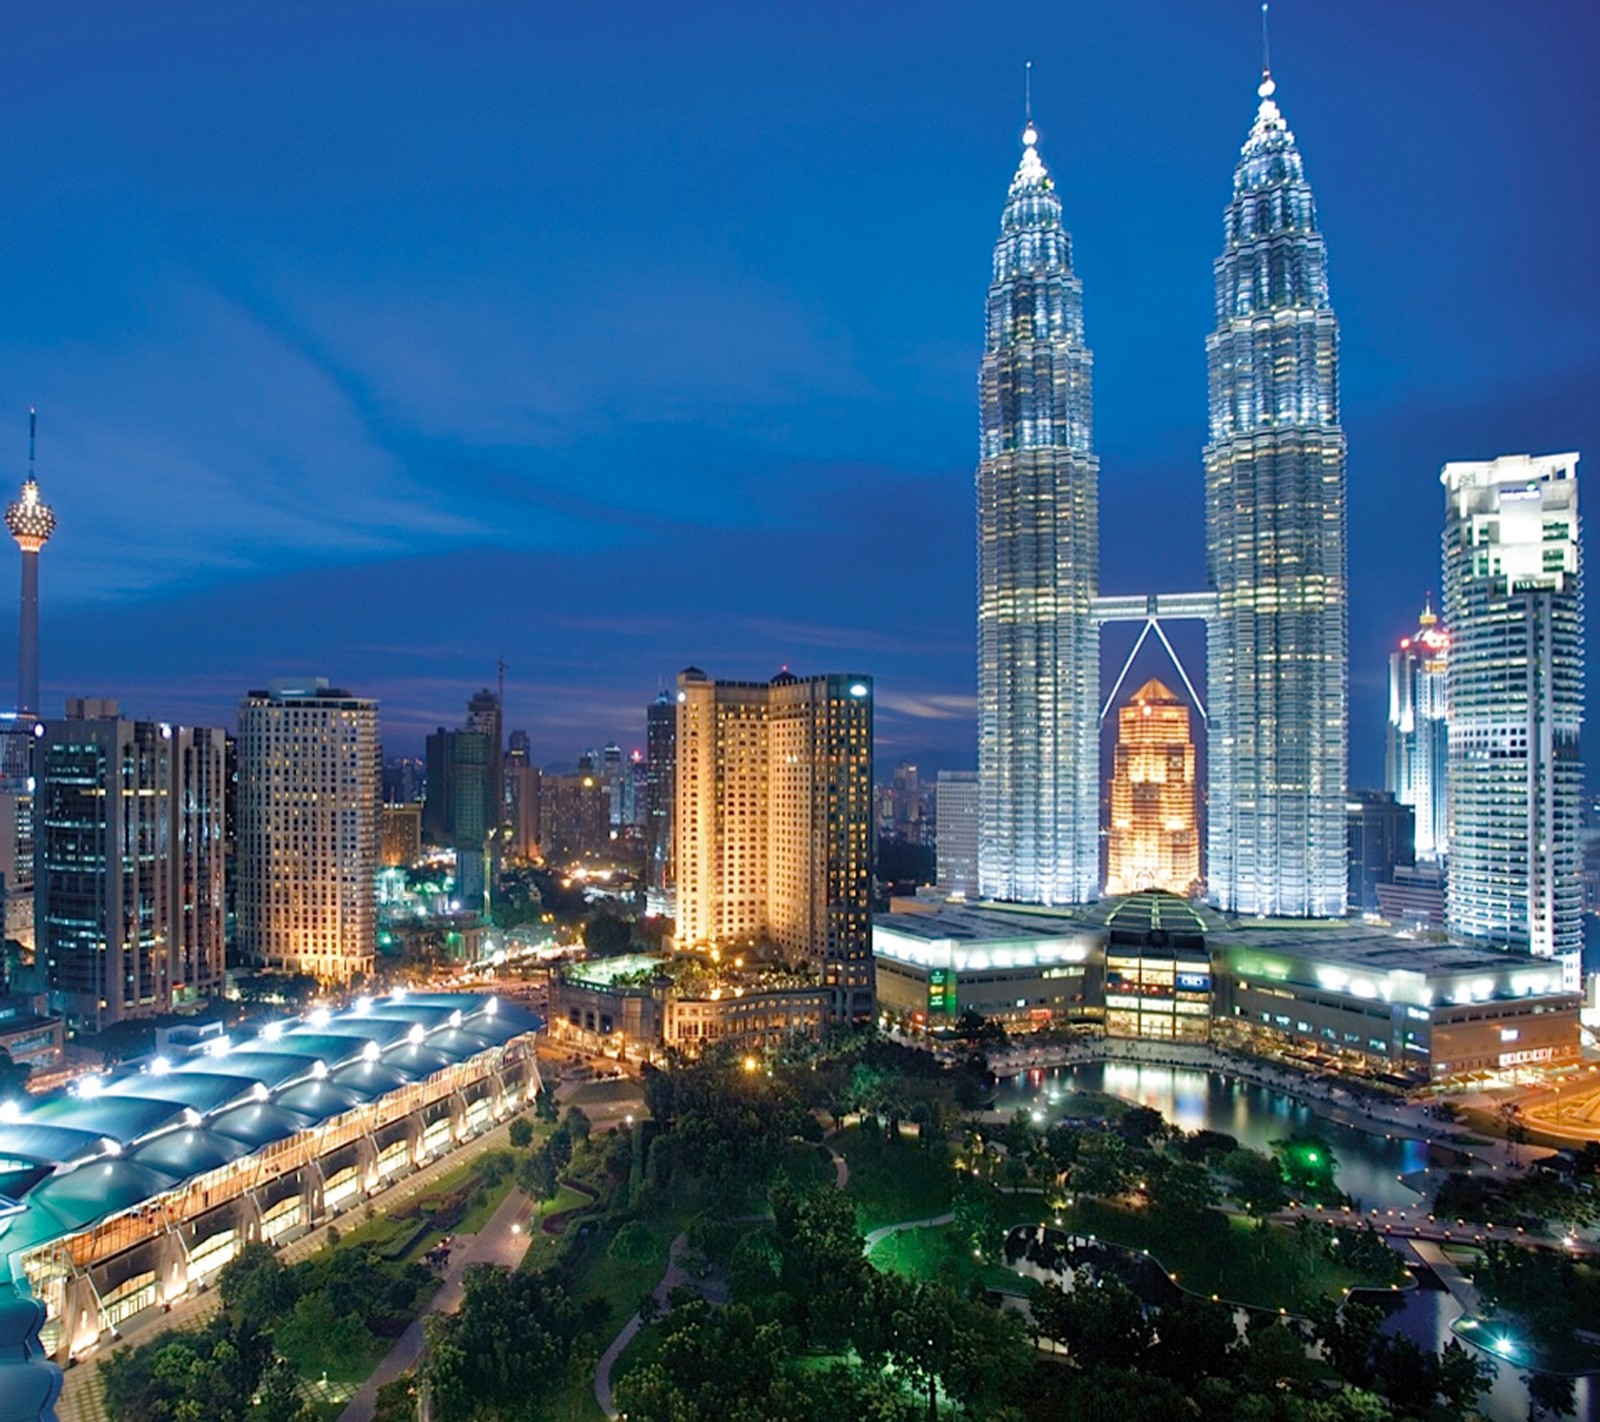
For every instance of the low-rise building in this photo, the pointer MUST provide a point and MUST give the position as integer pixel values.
(640, 1005)
(1343, 994)
(1337, 995)
(1027, 969)
(29, 1034)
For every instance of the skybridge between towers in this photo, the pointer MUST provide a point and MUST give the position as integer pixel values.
(1153, 609)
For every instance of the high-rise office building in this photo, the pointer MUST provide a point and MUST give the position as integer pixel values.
(574, 815)
(16, 826)
(660, 739)
(522, 798)
(773, 824)
(1154, 841)
(1380, 837)
(310, 771)
(485, 715)
(31, 522)
(1513, 601)
(1038, 515)
(128, 877)
(956, 820)
(1275, 548)
(1417, 749)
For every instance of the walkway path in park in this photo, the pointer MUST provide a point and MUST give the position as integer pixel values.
(880, 1234)
(675, 1277)
(503, 1240)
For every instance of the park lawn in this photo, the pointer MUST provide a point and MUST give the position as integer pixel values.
(1225, 1255)
(938, 1254)
(893, 1181)
(623, 1282)
(477, 1215)
(544, 1249)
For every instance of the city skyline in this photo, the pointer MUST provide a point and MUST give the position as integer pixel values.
(222, 345)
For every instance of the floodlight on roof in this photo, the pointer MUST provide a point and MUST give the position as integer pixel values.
(90, 1087)
(455, 1018)
(370, 1052)
(109, 1146)
(363, 1005)
(319, 1070)
(160, 1067)
(397, 994)
(272, 1031)
(491, 1007)
(417, 1034)
(320, 1017)
(10, 1112)
(260, 1093)
(191, 1117)
(219, 1047)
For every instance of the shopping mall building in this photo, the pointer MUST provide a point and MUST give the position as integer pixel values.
(1336, 994)
(135, 1188)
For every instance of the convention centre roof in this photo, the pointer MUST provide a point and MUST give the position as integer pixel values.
(109, 1143)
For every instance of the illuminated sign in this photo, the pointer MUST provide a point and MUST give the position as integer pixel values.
(942, 991)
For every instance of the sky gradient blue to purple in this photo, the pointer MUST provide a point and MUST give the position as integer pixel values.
(383, 340)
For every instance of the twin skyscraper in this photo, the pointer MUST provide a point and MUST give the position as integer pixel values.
(1276, 608)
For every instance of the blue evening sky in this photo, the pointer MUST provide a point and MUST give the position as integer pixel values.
(383, 340)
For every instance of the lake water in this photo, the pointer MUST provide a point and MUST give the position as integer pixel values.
(1194, 1099)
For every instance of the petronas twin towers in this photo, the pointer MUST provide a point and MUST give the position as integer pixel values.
(1275, 544)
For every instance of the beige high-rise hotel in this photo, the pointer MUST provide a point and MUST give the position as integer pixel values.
(773, 818)
(310, 783)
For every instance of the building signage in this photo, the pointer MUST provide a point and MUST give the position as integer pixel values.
(941, 991)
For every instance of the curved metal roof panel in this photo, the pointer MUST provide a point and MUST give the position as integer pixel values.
(101, 1188)
(204, 1092)
(457, 1043)
(370, 1080)
(259, 1124)
(123, 1119)
(311, 1046)
(271, 1069)
(416, 1062)
(320, 1099)
(49, 1144)
(188, 1152)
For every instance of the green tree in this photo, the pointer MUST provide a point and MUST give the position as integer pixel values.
(520, 1133)
(606, 935)
(633, 1243)
(1104, 1167)
(256, 1288)
(1257, 1184)
(516, 1338)
(13, 1077)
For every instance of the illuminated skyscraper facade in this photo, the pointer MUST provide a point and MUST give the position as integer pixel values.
(310, 777)
(1418, 745)
(1276, 548)
(1513, 600)
(1154, 843)
(1038, 516)
(772, 824)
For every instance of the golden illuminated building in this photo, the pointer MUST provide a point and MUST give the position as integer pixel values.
(1154, 841)
(772, 824)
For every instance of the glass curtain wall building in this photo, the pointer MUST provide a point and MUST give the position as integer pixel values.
(1513, 600)
(1038, 515)
(1418, 744)
(1276, 548)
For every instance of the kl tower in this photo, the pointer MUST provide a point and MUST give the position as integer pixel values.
(31, 522)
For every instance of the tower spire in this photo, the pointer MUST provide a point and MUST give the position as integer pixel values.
(33, 430)
(1027, 92)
